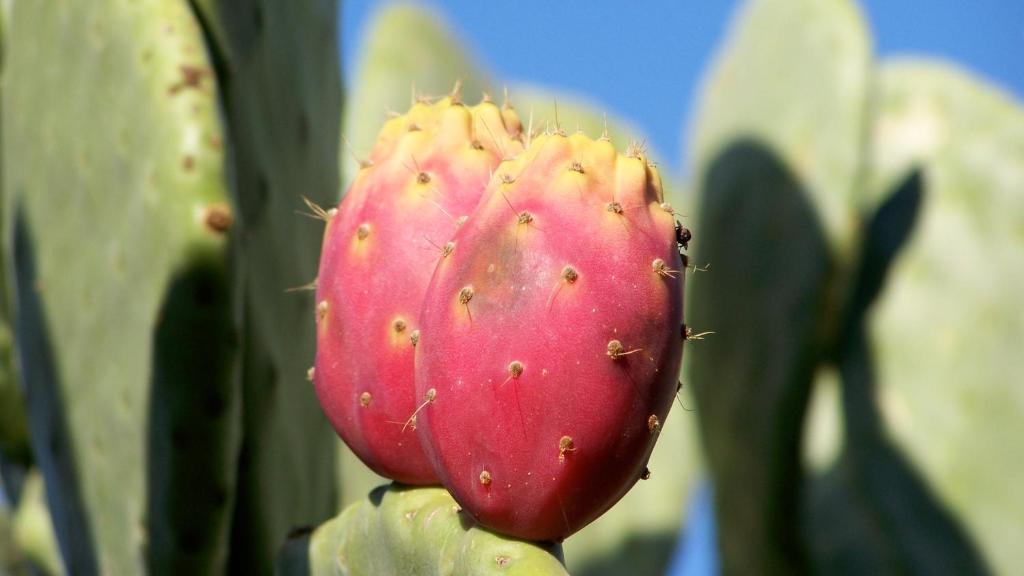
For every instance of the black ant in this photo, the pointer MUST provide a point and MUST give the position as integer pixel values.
(683, 236)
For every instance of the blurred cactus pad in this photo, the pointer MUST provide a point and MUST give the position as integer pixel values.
(863, 220)
(151, 177)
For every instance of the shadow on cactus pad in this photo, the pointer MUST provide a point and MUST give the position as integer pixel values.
(873, 512)
(764, 299)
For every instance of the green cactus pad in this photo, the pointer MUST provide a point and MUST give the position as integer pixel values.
(33, 530)
(113, 168)
(946, 331)
(795, 75)
(420, 532)
(282, 101)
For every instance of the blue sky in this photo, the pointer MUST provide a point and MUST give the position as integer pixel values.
(643, 61)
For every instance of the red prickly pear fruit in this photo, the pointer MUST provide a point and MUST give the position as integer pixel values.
(428, 169)
(550, 341)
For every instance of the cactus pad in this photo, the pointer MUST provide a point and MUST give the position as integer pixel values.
(113, 167)
(420, 532)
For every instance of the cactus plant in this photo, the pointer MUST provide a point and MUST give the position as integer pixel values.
(156, 232)
(419, 532)
(224, 443)
(278, 64)
(538, 414)
(424, 176)
(948, 395)
(839, 209)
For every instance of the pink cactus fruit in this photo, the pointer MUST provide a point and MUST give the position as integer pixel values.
(427, 171)
(550, 338)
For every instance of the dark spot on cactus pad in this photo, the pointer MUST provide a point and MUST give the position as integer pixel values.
(364, 399)
(398, 325)
(613, 207)
(525, 217)
(576, 166)
(423, 178)
(502, 560)
(191, 78)
(217, 217)
(188, 162)
(507, 178)
(321, 310)
(363, 231)
(447, 250)
(477, 145)
(646, 474)
(415, 337)
(485, 478)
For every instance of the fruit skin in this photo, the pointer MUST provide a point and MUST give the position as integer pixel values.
(550, 340)
(427, 171)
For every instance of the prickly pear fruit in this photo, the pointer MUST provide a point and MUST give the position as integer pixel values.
(426, 173)
(550, 338)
